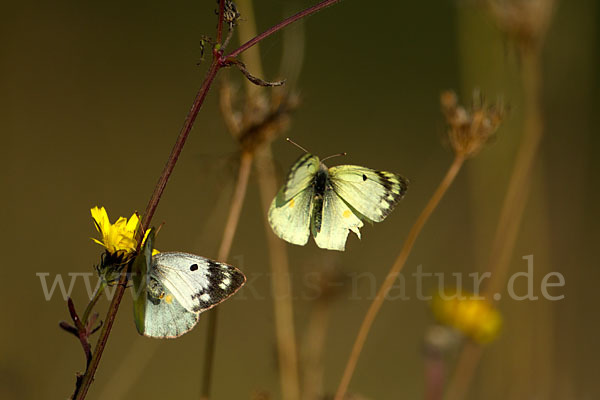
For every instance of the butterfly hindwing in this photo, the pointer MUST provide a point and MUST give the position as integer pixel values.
(172, 289)
(164, 317)
(333, 222)
(374, 194)
(197, 283)
(156, 311)
(290, 219)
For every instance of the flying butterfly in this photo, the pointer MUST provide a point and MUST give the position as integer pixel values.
(331, 202)
(171, 289)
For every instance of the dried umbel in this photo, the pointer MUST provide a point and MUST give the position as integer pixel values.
(526, 21)
(469, 130)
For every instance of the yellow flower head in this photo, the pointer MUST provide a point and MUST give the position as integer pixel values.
(118, 237)
(473, 316)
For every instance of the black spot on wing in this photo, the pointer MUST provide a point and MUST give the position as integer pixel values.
(194, 267)
(223, 281)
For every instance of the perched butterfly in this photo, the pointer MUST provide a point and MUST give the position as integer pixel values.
(172, 289)
(331, 202)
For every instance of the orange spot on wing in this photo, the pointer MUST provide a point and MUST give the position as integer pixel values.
(347, 214)
(292, 202)
(169, 298)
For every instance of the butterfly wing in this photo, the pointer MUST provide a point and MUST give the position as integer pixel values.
(156, 312)
(332, 223)
(300, 176)
(290, 220)
(374, 194)
(164, 317)
(197, 283)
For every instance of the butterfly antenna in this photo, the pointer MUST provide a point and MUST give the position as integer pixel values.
(297, 145)
(334, 155)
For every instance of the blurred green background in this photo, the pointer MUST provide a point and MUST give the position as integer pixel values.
(93, 94)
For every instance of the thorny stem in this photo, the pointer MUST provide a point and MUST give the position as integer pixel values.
(511, 215)
(237, 201)
(393, 274)
(218, 62)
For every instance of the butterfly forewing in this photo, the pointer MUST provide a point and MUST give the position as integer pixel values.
(300, 176)
(374, 194)
(197, 283)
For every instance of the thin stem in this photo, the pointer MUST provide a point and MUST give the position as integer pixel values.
(465, 370)
(209, 354)
(220, 21)
(393, 274)
(434, 374)
(181, 139)
(251, 57)
(280, 285)
(235, 210)
(517, 193)
(314, 345)
(511, 216)
(88, 377)
(237, 201)
(92, 303)
(281, 25)
(218, 62)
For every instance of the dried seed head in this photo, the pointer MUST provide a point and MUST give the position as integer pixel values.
(526, 21)
(470, 129)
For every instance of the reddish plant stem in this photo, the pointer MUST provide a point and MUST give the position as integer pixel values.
(88, 377)
(181, 139)
(220, 23)
(219, 61)
(281, 25)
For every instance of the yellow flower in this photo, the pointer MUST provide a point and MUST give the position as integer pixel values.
(117, 237)
(475, 317)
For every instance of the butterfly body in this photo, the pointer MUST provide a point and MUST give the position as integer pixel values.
(171, 289)
(320, 185)
(331, 202)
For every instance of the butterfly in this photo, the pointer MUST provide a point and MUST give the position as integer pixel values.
(171, 289)
(331, 202)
